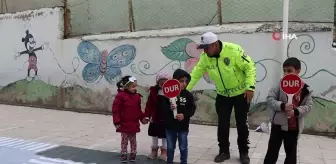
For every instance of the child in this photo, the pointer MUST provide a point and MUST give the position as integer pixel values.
(287, 119)
(178, 128)
(126, 110)
(154, 113)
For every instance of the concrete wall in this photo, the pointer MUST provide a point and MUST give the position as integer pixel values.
(62, 83)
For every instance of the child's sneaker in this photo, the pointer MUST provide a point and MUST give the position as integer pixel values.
(132, 157)
(123, 158)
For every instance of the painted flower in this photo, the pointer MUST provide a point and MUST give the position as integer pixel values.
(184, 50)
(194, 53)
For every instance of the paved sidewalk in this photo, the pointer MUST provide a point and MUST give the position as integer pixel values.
(64, 137)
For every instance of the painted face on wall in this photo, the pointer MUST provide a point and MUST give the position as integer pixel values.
(31, 44)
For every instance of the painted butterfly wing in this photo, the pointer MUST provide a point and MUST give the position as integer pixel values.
(91, 72)
(121, 56)
(89, 53)
(111, 74)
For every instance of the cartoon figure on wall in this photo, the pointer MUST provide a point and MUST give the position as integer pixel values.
(30, 44)
(103, 63)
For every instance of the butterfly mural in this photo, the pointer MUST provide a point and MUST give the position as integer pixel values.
(103, 63)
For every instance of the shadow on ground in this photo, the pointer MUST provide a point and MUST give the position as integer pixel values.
(88, 156)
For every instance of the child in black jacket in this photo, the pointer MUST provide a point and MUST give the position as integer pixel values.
(178, 128)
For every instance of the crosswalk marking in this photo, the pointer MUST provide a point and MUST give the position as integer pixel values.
(25, 144)
(17, 143)
(31, 146)
(38, 147)
(38, 161)
(8, 142)
(3, 139)
(46, 148)
(45, 160)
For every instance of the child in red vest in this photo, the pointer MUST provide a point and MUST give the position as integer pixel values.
(126, 110)
(154, 113)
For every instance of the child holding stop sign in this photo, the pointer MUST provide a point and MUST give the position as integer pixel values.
(177, 127)
(287, 115)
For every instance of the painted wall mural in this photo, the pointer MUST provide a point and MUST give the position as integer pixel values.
(184, 50)
(31, 48)
(81, 75)
(103, 63)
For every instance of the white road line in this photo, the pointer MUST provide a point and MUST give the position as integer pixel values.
(46, 148)
(31, 146)
(9, 142)
(5, 139)
(45, 160)
(39, 162)
(38, 147)
(24, 145)
(60, 160)
(18, 143)
(14, 143)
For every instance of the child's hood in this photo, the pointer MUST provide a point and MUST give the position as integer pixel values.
(181, 73)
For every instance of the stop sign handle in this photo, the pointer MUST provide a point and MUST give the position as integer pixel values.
(290, 100)
(173, 102)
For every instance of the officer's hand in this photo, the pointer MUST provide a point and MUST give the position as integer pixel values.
(248, 95)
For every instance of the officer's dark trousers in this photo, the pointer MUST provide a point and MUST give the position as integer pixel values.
(224, 107)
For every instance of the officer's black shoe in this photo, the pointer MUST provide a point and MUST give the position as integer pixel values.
(222, 157)
(244, 158)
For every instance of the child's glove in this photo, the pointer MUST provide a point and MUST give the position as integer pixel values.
(117, 125)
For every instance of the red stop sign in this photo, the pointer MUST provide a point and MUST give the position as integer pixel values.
(291, 84)
(171, 88)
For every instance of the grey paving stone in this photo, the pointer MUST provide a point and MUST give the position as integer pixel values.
(92, 138)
